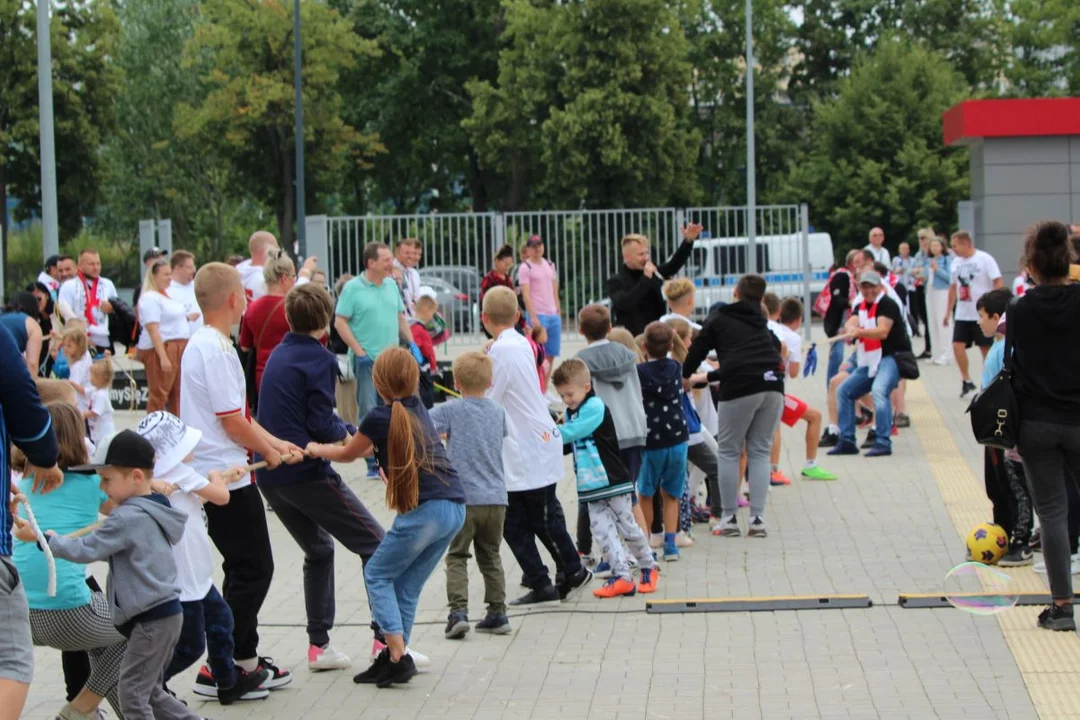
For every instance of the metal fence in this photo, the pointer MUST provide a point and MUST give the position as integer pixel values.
(458, 249)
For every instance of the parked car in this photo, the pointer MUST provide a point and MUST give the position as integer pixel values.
(454, 305)
(460, 276)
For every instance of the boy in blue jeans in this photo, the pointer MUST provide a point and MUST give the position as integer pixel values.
(663, 464)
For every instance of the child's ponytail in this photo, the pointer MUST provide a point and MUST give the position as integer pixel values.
(403, 478)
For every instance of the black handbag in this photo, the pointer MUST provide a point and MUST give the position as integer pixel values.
(995, 415)
(906, 364)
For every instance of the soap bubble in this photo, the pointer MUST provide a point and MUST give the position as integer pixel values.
(980, 589)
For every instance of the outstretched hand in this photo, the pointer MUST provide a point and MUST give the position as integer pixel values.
(692, 231)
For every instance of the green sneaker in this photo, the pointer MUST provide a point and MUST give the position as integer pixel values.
(817, 473)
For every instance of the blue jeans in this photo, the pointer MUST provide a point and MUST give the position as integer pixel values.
(366, 397)
(406, 557)
(880, 387)
(207, 622)
(836, 359)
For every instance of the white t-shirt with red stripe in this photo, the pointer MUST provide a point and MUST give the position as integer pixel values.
(212, 386)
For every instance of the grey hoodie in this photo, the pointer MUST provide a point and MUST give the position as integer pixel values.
(615, 381)
(137, 540)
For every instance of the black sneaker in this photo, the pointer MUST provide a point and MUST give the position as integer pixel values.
(966, 389)
(247, 687)
(902, 420)
(457, 626)
(399, 672)
(371, 675)
(278, 677)
(495, 624)
(828, 439)
(926, 355)
(871, 439)
(1036, 541)
(866, 418)
(1057, 617)
(1018, 556)
(541, 596)
(572, 586)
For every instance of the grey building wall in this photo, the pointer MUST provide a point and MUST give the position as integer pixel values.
(1016, 182)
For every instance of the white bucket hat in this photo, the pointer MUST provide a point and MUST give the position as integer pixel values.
(172, 439)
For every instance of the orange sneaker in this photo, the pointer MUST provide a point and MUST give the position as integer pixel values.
(615, 587)
(649, 578)
(779, 478)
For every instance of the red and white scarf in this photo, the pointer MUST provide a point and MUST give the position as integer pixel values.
(93, 301)
(868, 352)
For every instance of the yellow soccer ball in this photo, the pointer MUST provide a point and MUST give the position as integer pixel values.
(987, 543)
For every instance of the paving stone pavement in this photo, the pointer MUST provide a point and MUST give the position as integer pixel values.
(879, 530)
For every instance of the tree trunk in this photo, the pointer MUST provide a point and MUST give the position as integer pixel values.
(478, 187)
(515, 196)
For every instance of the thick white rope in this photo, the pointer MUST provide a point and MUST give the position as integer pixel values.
(43, 542)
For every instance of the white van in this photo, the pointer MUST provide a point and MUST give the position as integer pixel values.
(716, 265)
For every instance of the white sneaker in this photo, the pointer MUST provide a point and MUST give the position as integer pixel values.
(422, 661)
(683, 539)
(1040, 567)
(327, 658)
(656, 540)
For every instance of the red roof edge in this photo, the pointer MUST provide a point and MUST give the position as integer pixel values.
(974, 120)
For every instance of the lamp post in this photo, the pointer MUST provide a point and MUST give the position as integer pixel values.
(301, 222)
(50, 235)
(751, 177)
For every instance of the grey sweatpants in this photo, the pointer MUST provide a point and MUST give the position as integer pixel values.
(142, 672)
(747, 422)
(611, 517)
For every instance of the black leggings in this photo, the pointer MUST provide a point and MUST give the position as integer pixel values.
(76, 663)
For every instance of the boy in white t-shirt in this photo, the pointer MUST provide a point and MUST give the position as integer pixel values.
(208, 621)
(532, 459)
(788, 320)
(213, 399)
(99, 414)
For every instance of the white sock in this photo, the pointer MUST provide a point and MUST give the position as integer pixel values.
(250, 665)
(834, 429)
(810, 463)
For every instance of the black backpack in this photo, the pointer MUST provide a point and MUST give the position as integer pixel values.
(995, 415)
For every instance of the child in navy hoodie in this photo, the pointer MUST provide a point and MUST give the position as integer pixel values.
(663, 465)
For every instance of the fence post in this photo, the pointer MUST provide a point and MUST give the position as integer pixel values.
(146, 236)
(498, 226)
(804, 223)
(318, 245)
(680, 220)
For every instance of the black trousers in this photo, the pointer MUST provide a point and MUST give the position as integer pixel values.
(239, 531)
(533, 515)
(315, 513)
(919, 308)
(76, 663)
(1006, 486)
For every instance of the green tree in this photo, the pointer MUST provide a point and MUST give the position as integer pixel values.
(876, 156)
(82, 35)
(590, 108)
(243, 56)
(1044, 38)
(412, 94)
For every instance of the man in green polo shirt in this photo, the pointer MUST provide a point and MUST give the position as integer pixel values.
(370, 317)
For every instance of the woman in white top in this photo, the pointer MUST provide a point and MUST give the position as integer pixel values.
(162, 339)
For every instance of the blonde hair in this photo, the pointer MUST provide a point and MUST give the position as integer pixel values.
(623, 337)
(678, 288)
(53, 391)
(213, 283)
(571, 371)
(101, 370)
(396, 376)
(279, 267)
(473, 371)
(681, 340)
(259, 241)
(76, 336)
(500, 306)
(634, 238)
(148, 279)
(70, 431)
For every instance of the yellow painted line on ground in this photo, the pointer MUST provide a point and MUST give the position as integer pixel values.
(1048, 661)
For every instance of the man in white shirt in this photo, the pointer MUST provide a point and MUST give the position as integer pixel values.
(877, 246)
(182, 288)
(50, 276)
(86, 296)
(251, 270)
(532, 459)
(406, 258)
(974, 273)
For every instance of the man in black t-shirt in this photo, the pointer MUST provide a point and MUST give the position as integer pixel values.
(879, 333)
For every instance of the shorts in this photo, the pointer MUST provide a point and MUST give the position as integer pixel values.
(16, 645)
(969, 333)
(663, 469)
(794, 409)
(553, 325)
